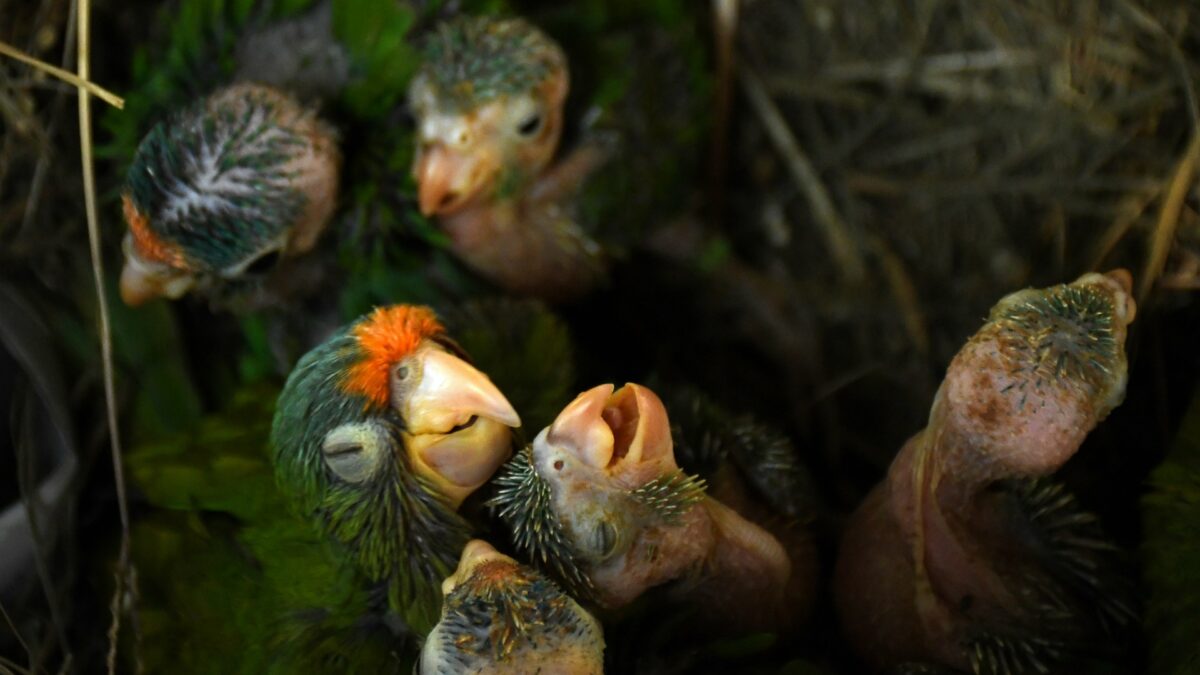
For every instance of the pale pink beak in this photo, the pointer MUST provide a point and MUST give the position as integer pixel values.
(609, 430)
(448, 179)
(458, 424)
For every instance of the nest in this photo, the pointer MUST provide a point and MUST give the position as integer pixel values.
(908, 163)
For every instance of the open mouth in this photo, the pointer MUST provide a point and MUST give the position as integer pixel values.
(612, 431)
(622, 415)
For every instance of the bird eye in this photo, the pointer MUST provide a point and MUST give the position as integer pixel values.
(353, 452)
(530, 125)
(401, 372)
(263, 263)
(604, 539)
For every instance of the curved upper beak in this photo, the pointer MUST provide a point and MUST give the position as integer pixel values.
(451, 392)
(457, 424)
(607, 430)
(449, 179)
(137, 287)
(140, 285)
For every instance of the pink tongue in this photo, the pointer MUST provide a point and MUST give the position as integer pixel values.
(622, 419)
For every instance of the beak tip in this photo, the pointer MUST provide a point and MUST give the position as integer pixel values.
(135, 290)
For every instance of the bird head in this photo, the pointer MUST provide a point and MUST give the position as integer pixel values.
(488, 102)
(599, 496)
(381, 432)
(501, 617)
(224, 187)
(1048, 366)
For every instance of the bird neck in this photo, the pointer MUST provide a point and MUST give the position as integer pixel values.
(556, 257)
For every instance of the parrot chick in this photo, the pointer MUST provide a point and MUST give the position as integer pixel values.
(223, 189)
(488, 103)
(964, 556)
(379, 435)
(502, 618)
(599, 498)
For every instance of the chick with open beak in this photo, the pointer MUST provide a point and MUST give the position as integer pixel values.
(379, 435)
(964, 556)
(489, 108)
(226, 186)
(599, 499)
(502, 618)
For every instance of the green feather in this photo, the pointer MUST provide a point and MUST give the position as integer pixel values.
(236, 220)
(230, 580)
(473, 59)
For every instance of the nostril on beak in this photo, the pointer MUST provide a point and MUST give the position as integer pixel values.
(448, 199)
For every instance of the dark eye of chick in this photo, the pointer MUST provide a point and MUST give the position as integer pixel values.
(401, 372)
(264, 263)
(530, 125)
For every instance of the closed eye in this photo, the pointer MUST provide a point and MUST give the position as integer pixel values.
(341, 450)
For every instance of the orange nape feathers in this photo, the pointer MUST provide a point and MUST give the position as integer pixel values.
(145, 243)
(386, 336)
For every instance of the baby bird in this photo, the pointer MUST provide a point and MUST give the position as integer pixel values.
(599, 499)
(502, 618)
(379, 435)
(964, 556)
(488, 103)
(221, 190)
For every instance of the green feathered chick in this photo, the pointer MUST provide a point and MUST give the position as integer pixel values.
(236, 580)
(379, 435)
(230, 184)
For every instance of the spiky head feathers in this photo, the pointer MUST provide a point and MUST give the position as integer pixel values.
(472, 60)
(502, 617)
(1042, 372)
(225, 180)
(383, 338)
(570, 544)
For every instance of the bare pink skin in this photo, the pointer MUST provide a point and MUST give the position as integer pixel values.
(525, 240)
(605, 445)
(929, 554)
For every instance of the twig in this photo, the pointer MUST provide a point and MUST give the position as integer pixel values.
(1178, 60)
(937, 64)
(1168, 217)
(837, 234)
(124, 567)
(79, 81)
(725, 22)
(16, 633)
(1130, 209)
(904, 291)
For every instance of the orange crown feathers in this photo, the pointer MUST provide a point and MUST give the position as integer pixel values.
(386, 336)
(145, 242)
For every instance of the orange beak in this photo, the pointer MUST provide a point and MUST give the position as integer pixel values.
(137, 287)
(448, 180)
(458, 425)
(140, 284)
